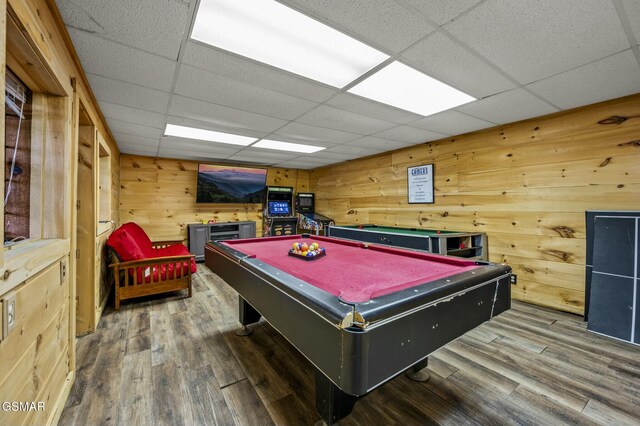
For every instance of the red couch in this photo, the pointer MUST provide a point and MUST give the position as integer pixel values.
(143, 267)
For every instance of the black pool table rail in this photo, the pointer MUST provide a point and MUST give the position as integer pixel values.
(364, 314)
(358, 347)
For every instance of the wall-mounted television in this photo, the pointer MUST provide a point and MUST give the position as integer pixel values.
(230, 184)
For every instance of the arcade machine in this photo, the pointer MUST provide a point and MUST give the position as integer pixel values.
(277, 216)
(308, 220)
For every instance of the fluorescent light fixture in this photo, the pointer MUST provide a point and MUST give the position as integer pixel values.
(406, 88)
(287, 146)
(207, 135)
(275, 34)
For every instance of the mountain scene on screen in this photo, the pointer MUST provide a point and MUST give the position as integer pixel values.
(230, 185)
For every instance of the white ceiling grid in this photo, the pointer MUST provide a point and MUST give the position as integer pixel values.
(521, 59)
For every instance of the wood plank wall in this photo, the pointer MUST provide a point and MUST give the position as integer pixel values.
(37, 360)
(526, 184)
(160, 195)
(35, 357)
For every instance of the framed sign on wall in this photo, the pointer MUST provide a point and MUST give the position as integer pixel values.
(420, 184)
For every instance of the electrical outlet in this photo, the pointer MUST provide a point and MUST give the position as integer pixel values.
(8, 314)
(514, 279)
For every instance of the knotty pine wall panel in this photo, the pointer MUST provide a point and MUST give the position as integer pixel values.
(35, 356)
(159, 194)
(526, 184)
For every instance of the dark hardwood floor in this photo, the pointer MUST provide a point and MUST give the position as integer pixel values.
(177, 361)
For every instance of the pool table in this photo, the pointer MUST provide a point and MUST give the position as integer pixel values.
(363, 313)
(450, 243)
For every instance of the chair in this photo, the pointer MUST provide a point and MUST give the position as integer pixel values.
(143, 268)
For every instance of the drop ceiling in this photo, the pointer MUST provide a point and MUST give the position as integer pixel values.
(519, 58)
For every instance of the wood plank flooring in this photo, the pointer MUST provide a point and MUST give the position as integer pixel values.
(174, 361)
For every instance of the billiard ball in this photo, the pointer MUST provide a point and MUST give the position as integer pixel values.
(296, 246)
(304, 247)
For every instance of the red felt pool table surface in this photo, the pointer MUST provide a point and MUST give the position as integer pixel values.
(351, 270)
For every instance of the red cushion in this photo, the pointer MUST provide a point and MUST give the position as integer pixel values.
(123, 240)
(165, 273)
(173, 250)
(178, 250)
(141, 238)
(130, 242)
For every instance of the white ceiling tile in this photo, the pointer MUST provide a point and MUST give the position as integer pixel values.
(180, 121)
(452, 122)
(508, 107)
(370, 142)
(223, 116)
(249, 159)
(324, 156)
(410, 134)
(121, 93)
(568, 53)
(304, 132)
(534, 39)
(316, 142)
(118, 126)
(333, 118)
(313, 159)
(299, 164)
(255, 154)
(155, 26)
(146, 148)
(215, 127)
(121, 62)
(250, 72)
(127, 139)
(302, 164)
(138, 150)
(612, 77)
(345, 157)
(192, 154)
(446, 60)
(172, 142)
(198, 84)
(632, 9)
(440, 11)
(352, 151)
(362, 106)
(381, 23)
(131, 115)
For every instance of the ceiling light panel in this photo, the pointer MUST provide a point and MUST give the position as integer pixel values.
(269, 32)
(403, 87)
(287, 146)
(207, 135)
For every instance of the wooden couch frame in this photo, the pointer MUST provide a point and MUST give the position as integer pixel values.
(125, 275)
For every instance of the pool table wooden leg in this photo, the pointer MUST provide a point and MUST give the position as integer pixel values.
(247, 315)
(419, 372)
(332, 404)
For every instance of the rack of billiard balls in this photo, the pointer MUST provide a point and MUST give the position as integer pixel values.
(310, 251)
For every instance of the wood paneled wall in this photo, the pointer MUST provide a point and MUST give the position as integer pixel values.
(35, 356)
(160, 195)
(526, 184)
(37, 359)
